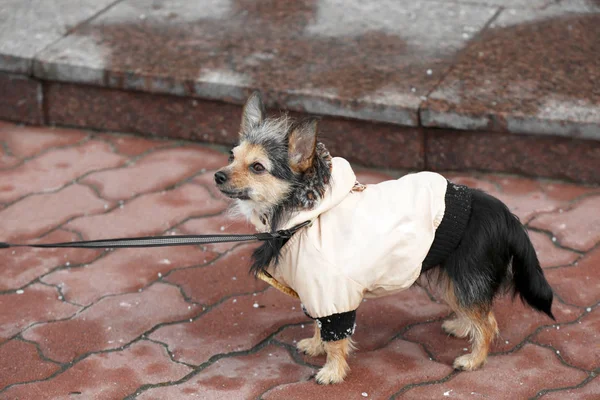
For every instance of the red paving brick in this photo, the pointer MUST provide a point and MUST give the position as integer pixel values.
(21, 266)
(29, 366)
(123, 271)
(379, 374)
(107, 376)
(110, 323)
(578, 343)
(237, 324)
(578, 228)
(156, 171)
(42, 173)
(549, 254)
(33, 305)
(578, 284)
(219, 224)
(241, 377)
(518, 375)
(38, 214)
(515, 321)
(379, 320)
(225, 277)
(27, 141)
(149, 214)
(587, 392)
(229, 336)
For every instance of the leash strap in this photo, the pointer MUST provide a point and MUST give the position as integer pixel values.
(162, 241)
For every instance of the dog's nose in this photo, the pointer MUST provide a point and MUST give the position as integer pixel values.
(220, 177)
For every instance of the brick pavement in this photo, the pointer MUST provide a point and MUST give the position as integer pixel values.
(176, 323)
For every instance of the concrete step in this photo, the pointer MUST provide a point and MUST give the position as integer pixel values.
(501, 86)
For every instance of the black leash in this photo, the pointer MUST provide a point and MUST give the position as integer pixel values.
(162, 241)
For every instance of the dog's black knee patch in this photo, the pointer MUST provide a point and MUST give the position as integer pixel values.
(337, 326)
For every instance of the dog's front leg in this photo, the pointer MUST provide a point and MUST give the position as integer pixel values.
(336, 368)
(313, 346)
(334, 332)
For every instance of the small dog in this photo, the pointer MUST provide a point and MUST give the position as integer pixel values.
(374, 240)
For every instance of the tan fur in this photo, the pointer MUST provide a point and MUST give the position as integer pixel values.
(264, 189)
(336, 368)
(302, 145)
(478, 323)
(313, 346)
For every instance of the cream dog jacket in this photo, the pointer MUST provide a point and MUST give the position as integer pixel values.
(361, 244)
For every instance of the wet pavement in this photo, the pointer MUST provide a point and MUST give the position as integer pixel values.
(189, 322)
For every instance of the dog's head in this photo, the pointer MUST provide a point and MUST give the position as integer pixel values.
(277, 162)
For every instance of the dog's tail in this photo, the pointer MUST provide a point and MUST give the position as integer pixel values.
(528, 277)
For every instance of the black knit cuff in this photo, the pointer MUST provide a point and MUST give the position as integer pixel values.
(337, 326)
(452, 227)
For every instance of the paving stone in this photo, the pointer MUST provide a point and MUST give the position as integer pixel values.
(21, 99)
(28, 141)
(578, 228)
(523, 196)
(110, 323)
(22, 265)
(37, 303)
(124, 271)
(35, 215)
(156, 171)
(515, 321)
(379, 374)
(379, 320)
(567, 191)
(227, 276)
(578, 343)
(40, 174)
(234, 325)
(527, 201)
(31, 26)
(132, 146)
(518, 375)
(587, 392)
(531, 71)
(548, 253)
(529, 155)
(29, 366)
(225, 52)
(579, 284)
(219, 224)
(242, 377)
(108, 376)
(149, 214)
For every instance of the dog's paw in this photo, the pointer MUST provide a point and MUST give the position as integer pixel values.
(311, 346)
(467, 362)
(331, 373)
(457, 327)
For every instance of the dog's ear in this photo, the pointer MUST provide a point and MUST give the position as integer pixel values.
(302, 142)
(253, 114)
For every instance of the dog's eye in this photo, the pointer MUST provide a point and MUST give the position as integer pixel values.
(257, 167)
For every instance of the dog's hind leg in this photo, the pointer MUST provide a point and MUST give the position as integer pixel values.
(313, 346)
(484, 330)
(477, 322)
(336, 368)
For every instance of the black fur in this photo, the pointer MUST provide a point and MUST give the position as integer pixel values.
(495, 253)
